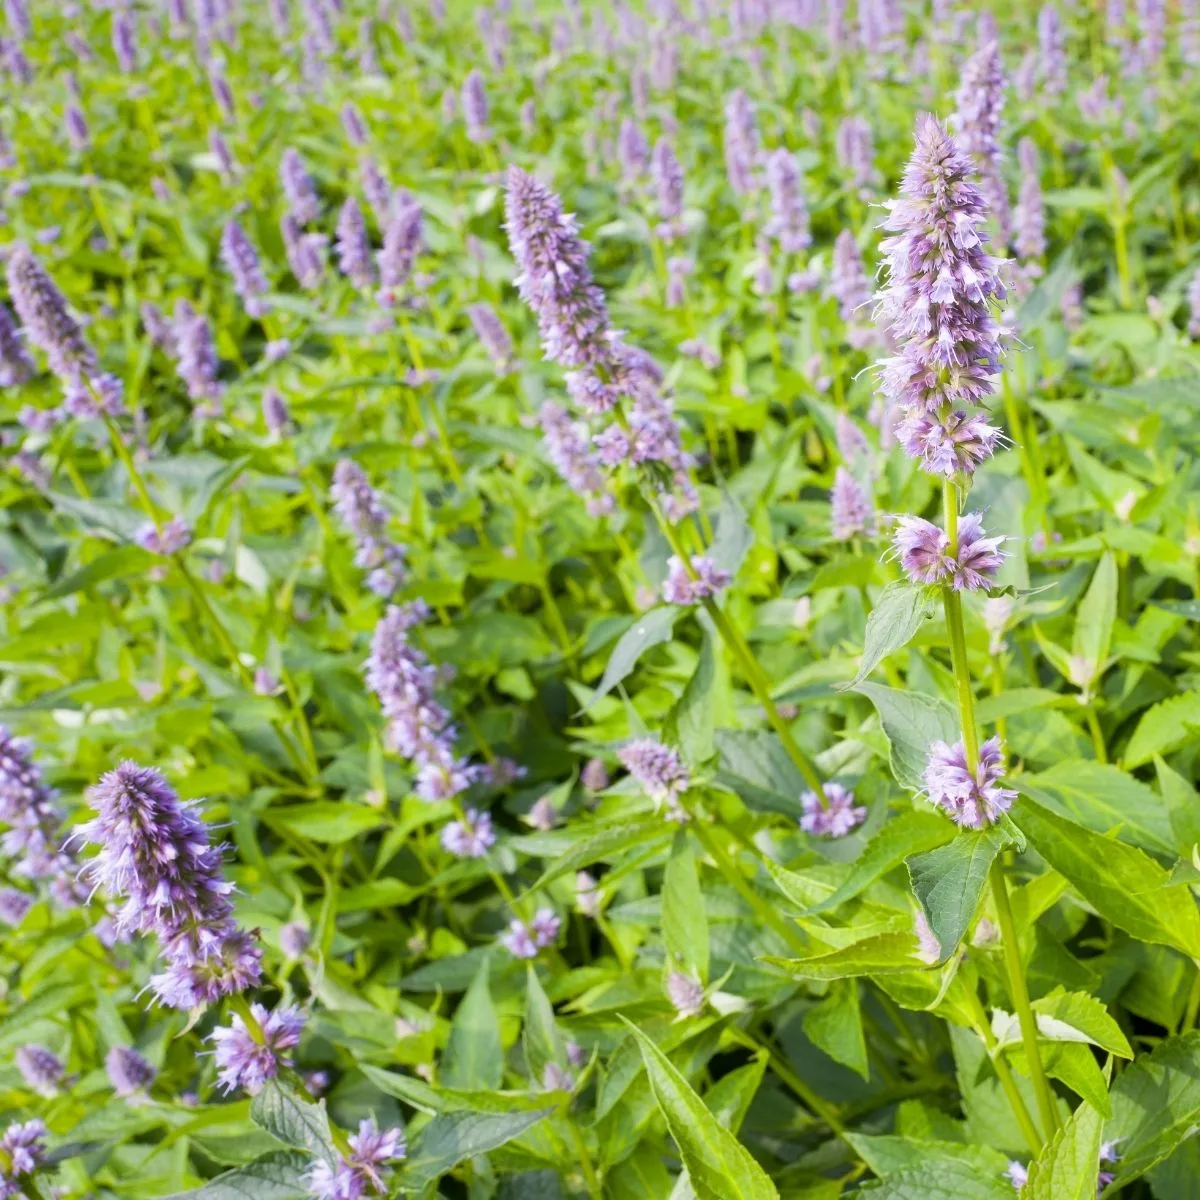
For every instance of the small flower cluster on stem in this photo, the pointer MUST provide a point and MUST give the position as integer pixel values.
(362, 512)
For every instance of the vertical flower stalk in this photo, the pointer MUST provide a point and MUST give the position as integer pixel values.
(937, 304)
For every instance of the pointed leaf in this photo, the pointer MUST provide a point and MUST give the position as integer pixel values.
(650, 629)
(899, 612)
(280, 1176)
(474, 1057)
(293, 1120)
(1069, 1163)
(452, 1138)
(911, 722)
(949, 881)
(684, 924)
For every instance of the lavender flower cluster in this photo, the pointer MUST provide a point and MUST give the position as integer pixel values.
(360, 509)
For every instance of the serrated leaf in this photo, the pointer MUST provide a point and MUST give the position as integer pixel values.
(1068, 1165)
(293, 1120)
(887, 1153)
(539, 1033)
(1120, 882)
(113, 564)
(1183, 807)
(429, 1099)
(691, 722)
(755, 765)
(280, 1176)
(733, 537)
(911, 722)
(834, 1025)
(899, 612)
(1163, 728)
(879, 954)
(1088, 1015)
(718, 1165)
(597, 844)
(684, 924)
(474, 1058)
(940, 1180)
(1096, 616)
(907, 834)
(453, 1138)
(1156, 1105)
(949, 880)
(650, 629)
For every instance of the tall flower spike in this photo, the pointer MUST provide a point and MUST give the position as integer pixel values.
(247, 1058)
(658, 768)
(298, 188)
(1030, 216)
(402, 240)
(668, 184)
(492, 334)
(850, 507)
(850, 287)
(741, 144)
(153, 852)
(353, 247)
(1052, 63)
(241, 260)
(196, 356)
(34, 835)
(362, 512)
(475, 106)
(129, 1073)
(789, 215)
(980, 105)
(364, 1171)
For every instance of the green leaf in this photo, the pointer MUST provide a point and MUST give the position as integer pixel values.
(755, 765)
(1183, 806)
(474, 1057)
(949, 880)
(452, 1138)
(280, 1176)
(1068, 1165)
(1163, 728)
(684, 924)
(597, 843)
(911, 722)
(430, 1099)
(112, 564)
(691, 722)
(835, 1026)
(899, 612)
(718, 1165)
(1156, 1105)
(539, 1035)
(1095, 618)
(905, 835)
(332, 822)
(1121, 883)
(293, 1120)
(1086, 1014)
(880, 954)
(887, 1154)
(942, 1179)
(733, 537)
(1104, 799)
(650, 629)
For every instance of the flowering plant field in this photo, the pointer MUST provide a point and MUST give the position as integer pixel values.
(599, 601)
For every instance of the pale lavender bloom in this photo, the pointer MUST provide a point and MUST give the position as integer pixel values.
(851, 442)
(377, 191)
(124, 41)
(242, 262)
(1152, 24)
(40, 1069)
(174, 536)
(222, 94)
(16, 13)
(153, 852)
(543, 815)
(741, 144)
(850, 509)
(276, 350)
(23, 1144)
(1193, 296)
(979, 123)
(294, 939)
(1018, 1173)
(1030, 216)
(948, 446)
(471, 837)
(1052, 63)
(364, 1172)
(129, 1073)
(679, 268)
(419, 727)
(16, 367)
(14, 906)
(587, 894)
(929, 949)
(1095, 103)
(27, 807)
(566, 445)
(668, 185)
(75, 125)
(704, 581)
(219, 148)
(705, 354)
(789, 214)
(246, 1060)
(556, 1078)
(657, 768)
(475, 106)
(685, 993)
(275, 411)
(594, 776)
(1071, 307)
(305, 252)
(633, 151)
(941, 283)
(157, 327)
(361, 511)
(850, 287)
(545, 927)
(973, 799)
(352, 123)
(196, 356)
(449, 105)
(402, 240)
(353, 247)
(298, 187)
(528, 117)
(518, 941)
(842, 816)
(924, 552)
(490, 331)
(1189, 32)
(40, 420)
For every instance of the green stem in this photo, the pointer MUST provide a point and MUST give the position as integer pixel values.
(1192, 1010)
(1047, 1107)
(1093, 723)
(591, 1180)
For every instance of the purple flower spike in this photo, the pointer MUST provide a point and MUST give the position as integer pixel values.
(741, 144)
(298, 187)
(923, 550)
(657, 768)
(951, 446)
(1052, 65)
(174, 536)
(305, 252)
(241, 260)
(525, 940)
(668, 184)
(633, 152)
(14, 906)
(154, 853)
(566, 445)
(129, 1072)
(684, 589)
(16, 367)
(841, 817)
(353, 247)
(247, 1060)
(850, 287)
(40, 1069)
(472, 837)
(475, 106)
(196, 356)
(34, 822)
(789, 215)
(1030, 216)
(402, 241)
(361, 511)
(971, 799)
(980, 105)
(24, 1144)
(490, 331)
(364, 1173)
(850, 508)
